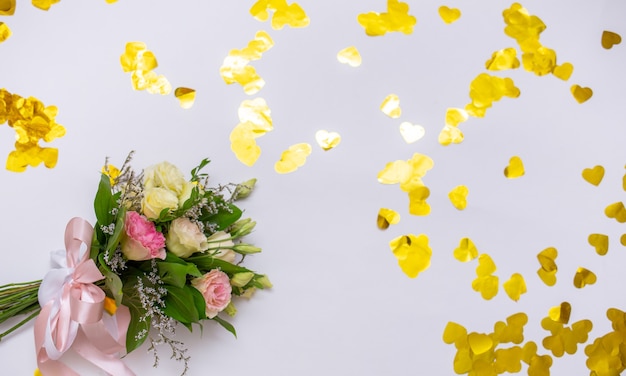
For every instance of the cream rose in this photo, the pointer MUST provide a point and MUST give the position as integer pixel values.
(164, 175)
(155, 200)
(184, 238)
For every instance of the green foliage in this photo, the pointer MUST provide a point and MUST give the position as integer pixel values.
(139, 320)
(225, 324)
(180, 304)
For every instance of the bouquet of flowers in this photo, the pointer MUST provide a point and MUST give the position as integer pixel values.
(164, 250)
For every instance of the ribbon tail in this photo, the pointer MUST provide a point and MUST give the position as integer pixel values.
(110, 363)
(47, 366)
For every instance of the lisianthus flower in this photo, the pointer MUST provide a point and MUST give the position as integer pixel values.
(140, 239)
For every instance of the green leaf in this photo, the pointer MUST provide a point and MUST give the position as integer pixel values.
(199, 302)
(103, 201)
(131, 300)
(112, 281)
(225, 324)
(227, 213)
(114, 240)
(180, 304)
(196, 170)
(206, 262)
(173, 273)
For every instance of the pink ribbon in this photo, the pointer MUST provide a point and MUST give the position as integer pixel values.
(72, 312)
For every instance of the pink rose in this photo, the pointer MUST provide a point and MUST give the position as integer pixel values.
(140, 240)
(216, 290)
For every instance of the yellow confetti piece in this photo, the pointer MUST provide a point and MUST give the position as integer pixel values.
(607, 353)
(560, 313)
(565, 339)
(512, 331)
(584, 277)
(455, 333)
(411, 132)
(186, 96)
(37, 372)
(327, 140)
(486, 283)
(610, 39)
(396, 19)
(515, 286)
(406, 173)
(458, 197)
(32, 122)
(140, 62)
(466, 251)
(391, 106)
(417, 201)
(235, 68)
(548, 269)
(581, 94)
(600, 242)
(291, 15)
(111, 1)
(44, 4)
(593, 175)
(508, 360)
(413, 253)
(387, 217)
(350, 55)
(616, 211)
(7, 7)
(257, 113)
(503, 60)
(455, 116)
(255, 120)
(450, 135)
(563, 71)
(622, 240)
(479, 343)
(515, 169)
(624, 181)
(486, 89)
(449, 15)
(293, 158)
(5, 32)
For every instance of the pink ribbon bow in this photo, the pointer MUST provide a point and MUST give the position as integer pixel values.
(72, 311)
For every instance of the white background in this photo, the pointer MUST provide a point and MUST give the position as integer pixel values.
(340, 303)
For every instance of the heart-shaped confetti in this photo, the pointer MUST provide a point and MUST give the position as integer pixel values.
(466, 251)
(387, 217)
(291, 15)
(327, 140)
(515, 169)
(5, 32)
(413, 253)
(391, 106)
(560, 313)
(450, 135)
(411, 132)
(622, 240)
(454, 333)
(581, 94)
(417, 201)
(616, 211)
(449, 15)
(610, 39)
(503, 60)
(563, 71)
(486, 283)
(584, 277)
(186, 96)
(7, 7)
(458, 197)
(455, 116)
(548, 269)
(396, 19)
(479, 343)
(600, 242)
(292, 158)
(349, 55)
(515, 286)
(593, 175)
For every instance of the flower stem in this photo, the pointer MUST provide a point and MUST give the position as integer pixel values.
(19, 324)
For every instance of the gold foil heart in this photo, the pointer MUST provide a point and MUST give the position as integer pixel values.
(293, 158)
(391, 106)
(327, 140)
(186, 96)
(458, 197)
(387, 217)
(581, 94)
(560, 313)
(466, 251)
(548, 269)
(600, 242)
(593, 175)
(584, 277)
(7, 7)
(349, 55)
(411, 132)
(515, 287)
(610, 39)
(515, 169)
(616, 211)
(449, 15)
(563, 71)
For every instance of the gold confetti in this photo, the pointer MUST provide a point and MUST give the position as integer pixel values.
(616, 211)
(413, 253)
(622, 240)
(396, 19)
(548, 269)
(44, 4)
(512, 331)
(610, 39)
(515, 169)
(466, 251)
(563, 71)
(515, 286)
(411, 132)
(565, 339)
(417, 201)
(254, 121)
(186, 96)
(624, 181)
(606, 356)
(387, 217)
(5, 32)
(486, 89)
(391, 106)
(458, 197)
(593, 175)
(292, 158)
(235, 68)
(600, 242)
(140, 62)
(455, 116)
(327, 140)
(560, 313)
(503, 60)
(450, 134)
(291, 15)
(584, 277)
(350, 55)
(581, 94)
(7, 7)
(408, 174)
(486, 283)
(32, 122)
(449, 15)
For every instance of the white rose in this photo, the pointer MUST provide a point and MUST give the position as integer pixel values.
(155, 200)
(184, 238)
(164, 175)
